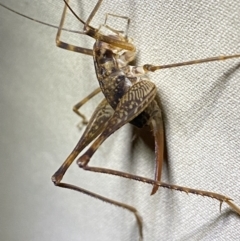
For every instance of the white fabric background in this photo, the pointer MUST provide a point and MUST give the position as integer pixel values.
(39, 85)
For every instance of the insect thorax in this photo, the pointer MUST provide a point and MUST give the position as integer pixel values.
(108, 61)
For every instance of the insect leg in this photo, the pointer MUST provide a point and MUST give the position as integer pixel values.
(90, 31)
(138, 97)
(107, 200)
(130, 106)
(95, 9)
(125, 111)
(158, 132)
(95, 126)
(67, 46)
(118, 16)
(82, 102)
(152, 68)
(221, 198)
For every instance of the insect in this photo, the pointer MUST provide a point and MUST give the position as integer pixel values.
(123, 43)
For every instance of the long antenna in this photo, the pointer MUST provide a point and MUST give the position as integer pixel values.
(41, 22)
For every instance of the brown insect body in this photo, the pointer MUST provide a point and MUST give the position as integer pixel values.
(114, 77)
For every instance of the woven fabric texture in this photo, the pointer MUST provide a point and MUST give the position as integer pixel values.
(200, 103)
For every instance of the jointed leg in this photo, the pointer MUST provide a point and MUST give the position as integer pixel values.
(82, 102)
(117, 120)
(118, 16)
(158, 132)
(110, 201)
(67, 46)
(159, 140)
(95, 126)
(152, 68)
(91, 32)
(93, 129)
(138, 97)
(92, 14)
(104, 122)
(221, 198)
